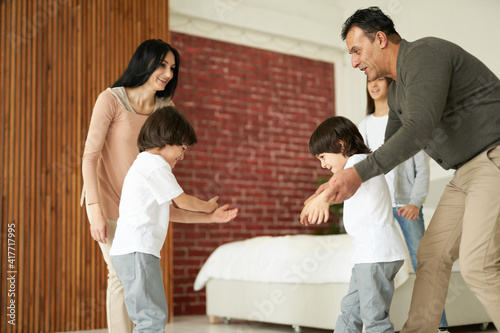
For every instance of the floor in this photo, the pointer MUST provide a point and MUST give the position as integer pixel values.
(200, 324)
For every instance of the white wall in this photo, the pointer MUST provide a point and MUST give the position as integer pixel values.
(312, 29)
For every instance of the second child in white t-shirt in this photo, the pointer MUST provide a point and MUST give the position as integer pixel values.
(379, 251)
(145, 210)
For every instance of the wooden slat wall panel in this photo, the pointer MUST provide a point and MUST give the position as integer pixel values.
(56, 57)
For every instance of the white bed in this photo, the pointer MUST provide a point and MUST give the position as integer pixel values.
(299, 280)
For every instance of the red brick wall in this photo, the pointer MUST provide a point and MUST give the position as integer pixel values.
(253, 112)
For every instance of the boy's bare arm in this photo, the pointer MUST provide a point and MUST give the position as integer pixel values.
(188, 202)
(220, 215)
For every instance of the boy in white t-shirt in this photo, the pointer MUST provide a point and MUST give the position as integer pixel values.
(145, 211)
(379, 251)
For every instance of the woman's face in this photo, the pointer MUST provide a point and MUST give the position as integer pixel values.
(163, 74)
(378, 88)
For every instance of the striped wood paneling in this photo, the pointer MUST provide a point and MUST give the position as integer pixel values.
(56, 57)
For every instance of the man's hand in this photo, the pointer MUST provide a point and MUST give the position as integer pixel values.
(409, 212)
(342, 185)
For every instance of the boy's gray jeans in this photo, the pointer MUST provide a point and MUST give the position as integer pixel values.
(141, 277)
(369, 298)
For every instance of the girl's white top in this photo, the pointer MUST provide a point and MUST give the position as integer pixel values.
(373, 131)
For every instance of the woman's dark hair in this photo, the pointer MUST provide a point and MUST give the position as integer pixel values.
(329, 134)
(166, 126)
(146, 59)
(371, 20)
(370, 103)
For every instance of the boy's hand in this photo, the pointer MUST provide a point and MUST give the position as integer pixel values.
(223, 214)
(409, 212)
(320, 190)
(308, 200)
(212, 204)
(316, 211)
(305, 210)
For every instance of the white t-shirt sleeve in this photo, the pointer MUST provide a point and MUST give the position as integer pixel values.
(163, 185)
(354, 159)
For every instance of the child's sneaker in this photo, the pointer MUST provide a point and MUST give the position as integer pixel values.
(443, 330)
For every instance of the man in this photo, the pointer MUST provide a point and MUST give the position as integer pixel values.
(447, 102)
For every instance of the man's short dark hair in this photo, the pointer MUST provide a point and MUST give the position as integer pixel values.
(371, 20)
(166, 126)
(326, 138)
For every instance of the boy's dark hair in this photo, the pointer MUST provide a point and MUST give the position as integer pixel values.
(147, 58)
(371, 20)
(326, 138)
(166, 126)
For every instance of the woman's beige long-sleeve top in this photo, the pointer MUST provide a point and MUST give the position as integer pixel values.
(111, 148)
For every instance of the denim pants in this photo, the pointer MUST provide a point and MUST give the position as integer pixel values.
(369, 298)
(413, 230)
(141, 277)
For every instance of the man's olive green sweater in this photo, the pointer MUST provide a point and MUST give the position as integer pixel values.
(444, 101)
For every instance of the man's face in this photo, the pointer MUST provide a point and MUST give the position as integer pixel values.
(365, 54)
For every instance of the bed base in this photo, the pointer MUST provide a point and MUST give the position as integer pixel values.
(318, 305)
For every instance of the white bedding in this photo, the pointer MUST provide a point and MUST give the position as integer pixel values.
(287, 259)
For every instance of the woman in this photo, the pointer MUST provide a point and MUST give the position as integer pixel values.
(408, 182)
(147, 84)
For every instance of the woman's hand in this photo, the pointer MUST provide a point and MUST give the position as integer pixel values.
(99, 226)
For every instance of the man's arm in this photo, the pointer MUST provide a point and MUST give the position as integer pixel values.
(425, 80)
(422, 91)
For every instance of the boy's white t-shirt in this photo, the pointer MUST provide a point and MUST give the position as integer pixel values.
(148, 189)
(368, 218)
